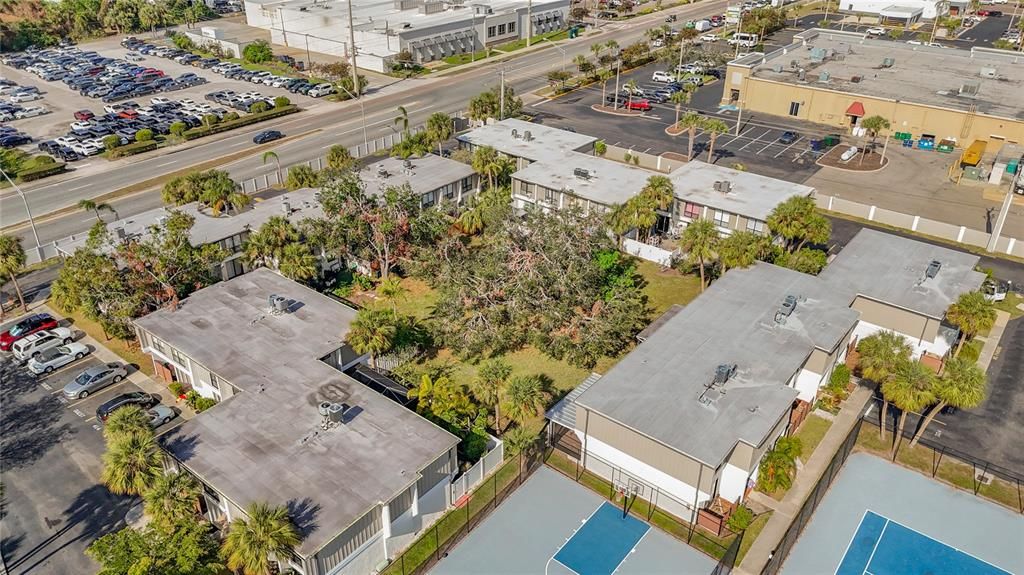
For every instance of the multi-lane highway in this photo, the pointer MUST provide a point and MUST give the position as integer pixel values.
(322, 128)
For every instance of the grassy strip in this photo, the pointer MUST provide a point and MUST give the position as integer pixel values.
(952, 243)
(128, 351)
(454, 521)
(810, 434)
(461, 59)
(750, 535)
(950, 470)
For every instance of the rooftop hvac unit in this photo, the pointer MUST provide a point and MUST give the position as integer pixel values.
(723, 372)
(336, 412)
(527, 136)
(788, 305)
(969, 89)
(888, 62)
(581, 173)
(723, 186)
(818, 54)
(801, 75)
(120, 233)
(933, 269)
(382, 172)
(161, 221)
(988, 72)
(286, 208)
(407, 164)
(515, 134)
(278, 304)
(324, 409)
(824, 76)
(794, 64)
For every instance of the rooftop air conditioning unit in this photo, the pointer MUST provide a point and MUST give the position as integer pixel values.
(788, 305)
(724, 372)
(527, 136)
(888, 62)
(407, 164)
(801, 75)
(382, 172)
(277, 303)
(336, 412)
(120, 233)
(581, 173)
(515, 134)
(723, 186)
(777, 68)
(933, 269)
(824, 77)
(286, 208)
(988, 72)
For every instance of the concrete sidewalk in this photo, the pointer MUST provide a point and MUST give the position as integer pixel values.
(991, 341)
(786, 510)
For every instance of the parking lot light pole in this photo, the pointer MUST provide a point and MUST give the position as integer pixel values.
(31, 222)
(618, 66)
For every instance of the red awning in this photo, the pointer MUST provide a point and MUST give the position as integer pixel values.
(855, 109)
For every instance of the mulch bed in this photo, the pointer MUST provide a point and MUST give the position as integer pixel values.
(872, 162)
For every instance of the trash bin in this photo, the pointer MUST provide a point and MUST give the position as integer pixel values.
(831, 140)
(816, 145)
(908, 143)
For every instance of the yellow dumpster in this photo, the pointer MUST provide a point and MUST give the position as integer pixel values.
(972, 155)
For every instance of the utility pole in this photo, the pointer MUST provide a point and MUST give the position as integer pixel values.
(618, 66)
(352, 46)
(31, 222)
(501, 98)
(529, 22)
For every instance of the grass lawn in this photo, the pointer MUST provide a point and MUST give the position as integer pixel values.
(128, 351)
(1009, 305)
(665, 288)
(750, 535)
(810, 434)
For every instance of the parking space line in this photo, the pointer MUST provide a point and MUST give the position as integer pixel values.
(78, 412)
(800, 155)
(770, 144)
(766, 132)
(94, 395)
(789, 146)
(45, 386)
(742, 134)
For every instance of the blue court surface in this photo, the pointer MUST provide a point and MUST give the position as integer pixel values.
(605, 539)
(884, 547)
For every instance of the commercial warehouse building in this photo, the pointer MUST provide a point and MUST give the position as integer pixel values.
(359, 477)
(839, 78)
(687, 416)
(428, 29)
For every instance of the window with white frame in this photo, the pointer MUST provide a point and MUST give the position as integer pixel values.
(721, 218)
(549, 195)
(756, 226)
(691, 211)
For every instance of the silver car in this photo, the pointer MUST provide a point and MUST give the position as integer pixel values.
(95, 379)
(57, 357)
(160, 414)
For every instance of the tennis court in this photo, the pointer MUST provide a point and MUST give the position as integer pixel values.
(553, 526)
(879, 518)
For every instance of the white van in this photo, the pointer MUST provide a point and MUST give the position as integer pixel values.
(744, 40)
(702, 25)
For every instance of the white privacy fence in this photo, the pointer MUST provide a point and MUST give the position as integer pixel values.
(648, 252)
(475, 475)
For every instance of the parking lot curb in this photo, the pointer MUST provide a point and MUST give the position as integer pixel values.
(603, 110)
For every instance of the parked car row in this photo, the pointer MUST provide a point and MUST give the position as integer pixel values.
(244, 101)
(12, 138)
(9, 112)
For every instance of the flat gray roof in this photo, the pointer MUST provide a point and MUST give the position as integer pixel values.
(891, 269)
(424, 175)
(545, 142)
(610, 182)
(265, 443)
(750, 195)
(301, 204)
(564, 412)
(911, 78)
(657, 388)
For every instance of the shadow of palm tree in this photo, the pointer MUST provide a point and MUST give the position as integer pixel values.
(303, 514)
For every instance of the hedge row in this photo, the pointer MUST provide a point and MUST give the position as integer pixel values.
(245, 120)
(41, 172)
(131, 149)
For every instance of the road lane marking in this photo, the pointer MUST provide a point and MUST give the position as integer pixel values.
(166, 164)
(78, 412)
(79, 187)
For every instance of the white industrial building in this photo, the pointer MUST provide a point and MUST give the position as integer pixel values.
(429, 29)
(904, 12)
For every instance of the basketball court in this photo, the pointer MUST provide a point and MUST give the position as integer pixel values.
(554, 526)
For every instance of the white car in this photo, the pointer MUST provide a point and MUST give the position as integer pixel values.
(320, 91)
(876, 31)
(84, 125)
(186, 102)
(41, 341)
(31, 112)
(662, 76)
(57, 357)
(159, 100)
(146, 111)
(25, 97)
(709, 38)
(113, 108)
(66, 141)
(690, 69)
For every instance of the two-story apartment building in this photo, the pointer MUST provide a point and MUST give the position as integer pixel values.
(526, 142)
(690, 412)
(358, 473)
(433, 178)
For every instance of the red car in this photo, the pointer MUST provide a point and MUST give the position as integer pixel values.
(128, 114)
(635, 104)
(26, 327)
(84, 115)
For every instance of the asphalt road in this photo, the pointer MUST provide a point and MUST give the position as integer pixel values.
(341, 124)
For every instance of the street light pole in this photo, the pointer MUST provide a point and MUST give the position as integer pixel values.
(352, 46)
(560, 49)
(31, 222)
(618, 66)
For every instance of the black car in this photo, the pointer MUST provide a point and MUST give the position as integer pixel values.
(294, 88)
(267, 136)
(16, 140)
(49, 146)
(140, 398)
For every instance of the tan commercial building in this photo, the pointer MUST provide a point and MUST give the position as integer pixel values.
(839, 78)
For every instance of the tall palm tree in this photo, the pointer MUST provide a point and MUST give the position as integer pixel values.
(691, 122)
(439, 129)
(714, 127)
(661, 191)
(880, 354)
(471, 220)
(740, 249)
(911, 388)
(581, 62)
(490, 384)
(524, 397)
(129, 420)
(265, 246)
(251, 541)
(700, 239)
(96, 208)
(620, 219)
(972, 313)
(596, 49)
(642, 213)
(297, 262)
(962, 385)
(402, 119)
(391, 289)
(131, 464)
(778, 466)
(630, 86)
(372, 332)
(679, 98)
(172, 498)
(12, 261)
(272, 155)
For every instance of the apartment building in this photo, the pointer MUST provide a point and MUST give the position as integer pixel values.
(690, 412)
(433, 178)
(359, 473)
(526, 142)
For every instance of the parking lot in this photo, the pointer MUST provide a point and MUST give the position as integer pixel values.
(50, 449)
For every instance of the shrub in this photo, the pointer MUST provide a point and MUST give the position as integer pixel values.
(246, 120)
(302, 176)
(144, 135)
(131, 149)
(176, 388)
(230, 117)
(36, 162)
(740, 519)
(41, 172)
(281, 102)
(182, 42)
(211, 120)
(839, 379)
(178, 128)
(110, 142)
(257, 52)
(258, 108)
(204, 403)
(339, 158)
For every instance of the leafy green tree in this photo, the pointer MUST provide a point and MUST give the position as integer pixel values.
(257, 52)
(144, 135)
(129, 420)
(265, 531)
(713, 127)
(153, 15)
(177, 129)
(444, 399)
(911, 388)
(266, 245)
(131, 464)
(487, 104)
(559, 77)
(282, 102)
(183, 42)
(880, 355)
(778, 466)
(122, 15)
(302, 176)
(440, 128)
(373, 332)
(189, 547)
(339, 158)
(806, 260)
(259, 107)
(110, 142)
(12, 261)
(524, 397)
(962, 385)
(489, 385)
(972, 313)
(519, 440)
(797, 221)
(172, 500)
(700, 240)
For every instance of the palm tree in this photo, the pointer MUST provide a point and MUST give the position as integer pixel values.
(620, 219)
(679, 98)
(339, 158)
(483, 157)
(581, 63)
(880, 354)
(630, 86)
(372, 332)
(251, 541)
(519, 440)
(96, 208)
(131, 464)
(962, 385)
(642, 213)
(597, 49)
(524, 397)
(297, 262)
(129, 420)
(714, 127)
(265, 246)
(471, 220)
(778, 466)
(391, 289)
(692, 122)
(402, 119)
(910, 388)
(740, 249)
(272, 155)
(172, 498)
(12, 260)
(972, 313)
(700, 239)
(439, 128)
(660, 190)
(489, 384)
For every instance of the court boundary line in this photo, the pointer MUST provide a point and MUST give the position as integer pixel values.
(569, 538)
(633, 548)
(850, 543)
(877, 543)
(941, 542)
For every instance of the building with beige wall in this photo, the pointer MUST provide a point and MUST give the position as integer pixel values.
(838, 78)
(359, 482)
(690, 412)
